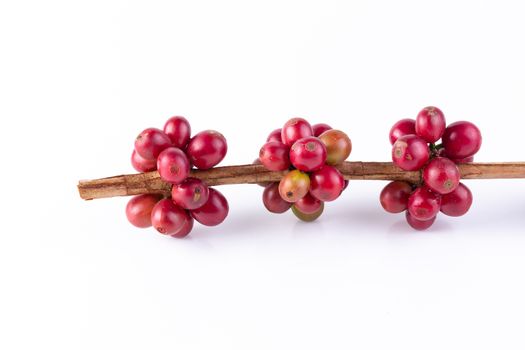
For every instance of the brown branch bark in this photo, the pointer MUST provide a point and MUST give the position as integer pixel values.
(127, 185)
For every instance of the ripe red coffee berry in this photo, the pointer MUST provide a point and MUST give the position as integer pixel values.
(186, 227)
(419, 225)
(167, 217)
(441, 175)
(410, 152)
(274, 136)
(179, 131)
(457, 203)
(461, 140)
(214, 211)
(338, 146)
(326, 184)
(272, 199)
(308, 154)
(295, 129)
(423, 204)
(308, 204)
(151, 142)
(275, 156)
(138, 209)
(192, 193)
(294, 186)
(307, 217)
(464, 160)
(142, 165)
(207, 149)
(394, 197)
(430, 124)
(402, 128)
(320, 128)
(173, 165)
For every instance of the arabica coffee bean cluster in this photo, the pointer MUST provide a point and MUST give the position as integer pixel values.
(415, 148)
(309, 154)
(173, 152)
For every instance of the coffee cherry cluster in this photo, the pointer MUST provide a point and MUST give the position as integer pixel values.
(310, 153)
(415, 148)
(173, 152)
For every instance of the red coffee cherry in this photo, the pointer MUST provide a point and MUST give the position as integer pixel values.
(207, 149)
(402, 128)
(214, 211)
(394, 197)
(462, 140)
(275, 156)
(179, 131)
(419, 225)
(167, 217)
(457, 203)
(326, 184)
(151, 142)
(423, 204)
(272, 199)
(430, 124)
(138, 209)
(410, 152)
(441, 175)
(295, 129)
(308, 154)
(173, 165)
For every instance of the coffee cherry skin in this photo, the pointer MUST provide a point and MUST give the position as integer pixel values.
(410, 152)
(178, 130)
(308, 154)
(275, 136)
(186, 227)
(295, 129)
(167, 217)
(307, 217)
(402, 128)
(207, 149)
(173, 165)
(275, 156)
(430, 124)
(464, 160)
(457, 203)
(441, 175)
(423, 204)
(142, 165)
(308, 204)
(320, 128)
(151, 142)
(442, 153)
(419, 225)
(394, 197)
(138, 209)
(461, 140)
(338, 146)
(272, 199)
(214, 211)
(192, 193)
(326, 184)
(294, 186)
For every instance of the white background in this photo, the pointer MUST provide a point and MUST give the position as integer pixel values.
(79, 80)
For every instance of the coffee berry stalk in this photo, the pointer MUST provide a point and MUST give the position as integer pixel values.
(301, 166)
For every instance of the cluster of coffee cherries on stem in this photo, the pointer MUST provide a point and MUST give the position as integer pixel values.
(414, 149)
(173, 152)
(310, 153)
